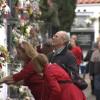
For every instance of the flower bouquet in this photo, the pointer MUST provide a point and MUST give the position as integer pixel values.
(4, 55)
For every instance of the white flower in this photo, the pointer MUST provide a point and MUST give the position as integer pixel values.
(7, 10)
(27, 3)
(35, 6)
(2, 58)
(22, 38)
(28, 29)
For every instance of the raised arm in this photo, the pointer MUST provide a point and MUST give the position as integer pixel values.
(7, 80)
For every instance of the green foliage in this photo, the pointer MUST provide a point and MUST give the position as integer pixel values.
(66, 13)
(1, 17)
(18, 32)
(66, 9)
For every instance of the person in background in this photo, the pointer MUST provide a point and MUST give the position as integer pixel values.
(37, 41)
(95, 70)
(74, 37)
(28, 75)
(50, 16)
(58, 84)
(88, 67)
(60, 54)
(34, 36)
(76, 50)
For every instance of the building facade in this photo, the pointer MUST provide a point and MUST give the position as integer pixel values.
(87, 22)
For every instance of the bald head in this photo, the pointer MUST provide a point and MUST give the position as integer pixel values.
(60, 38)
(64, 35)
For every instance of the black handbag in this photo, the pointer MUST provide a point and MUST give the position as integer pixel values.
(78, 81)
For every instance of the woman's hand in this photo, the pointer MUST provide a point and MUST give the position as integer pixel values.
(8, 80)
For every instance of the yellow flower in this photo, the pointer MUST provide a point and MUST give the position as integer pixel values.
(3, 53)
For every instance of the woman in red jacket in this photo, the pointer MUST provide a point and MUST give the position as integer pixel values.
(77, 51)
(58, 84)
(28, 74)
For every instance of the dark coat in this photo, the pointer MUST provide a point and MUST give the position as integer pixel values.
(95, 62)
(87, 59)
(65, 58)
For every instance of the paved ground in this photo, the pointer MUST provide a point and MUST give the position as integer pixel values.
(88, 90)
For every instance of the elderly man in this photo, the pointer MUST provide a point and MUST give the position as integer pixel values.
(61, 55)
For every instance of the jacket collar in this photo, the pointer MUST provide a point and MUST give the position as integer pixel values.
(58, 51)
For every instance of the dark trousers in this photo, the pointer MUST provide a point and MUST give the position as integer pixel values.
(92, 86)
(98, 97)
(97, 86)
(97, 94)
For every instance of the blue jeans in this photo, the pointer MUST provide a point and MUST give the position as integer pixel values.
(97, 86)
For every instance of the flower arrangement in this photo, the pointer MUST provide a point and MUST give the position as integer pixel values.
(19, 93)
(4, 10)
(28, 10)
(20, 32)
(4, 55)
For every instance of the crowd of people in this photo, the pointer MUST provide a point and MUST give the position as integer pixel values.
(44, 74)
(45, 66)
(93, 58)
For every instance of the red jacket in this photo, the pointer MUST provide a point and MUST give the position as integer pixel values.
(55, 89)
(78, 54)
(31, 79)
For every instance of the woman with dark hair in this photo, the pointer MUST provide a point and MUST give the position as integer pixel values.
(76, 50)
